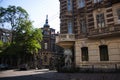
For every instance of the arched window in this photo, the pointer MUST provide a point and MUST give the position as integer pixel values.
(103, 53)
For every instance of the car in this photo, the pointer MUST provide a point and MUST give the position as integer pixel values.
(3, 66)
(23, 67)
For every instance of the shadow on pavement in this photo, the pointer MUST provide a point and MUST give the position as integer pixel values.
(49, 75)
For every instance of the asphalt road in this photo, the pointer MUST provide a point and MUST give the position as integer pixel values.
(45, 74)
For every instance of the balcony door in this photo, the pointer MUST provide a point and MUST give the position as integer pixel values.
(70, 29)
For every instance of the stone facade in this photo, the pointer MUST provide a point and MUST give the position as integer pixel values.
(5, 35)
(96, 26)
(94, 52)
(47, 51)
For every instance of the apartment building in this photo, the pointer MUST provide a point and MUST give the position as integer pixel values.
(91, 30)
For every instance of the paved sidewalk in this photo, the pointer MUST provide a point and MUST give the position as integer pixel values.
(45, 74)
(81, 76)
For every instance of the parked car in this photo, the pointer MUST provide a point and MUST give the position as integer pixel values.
(23, 67)
(3, 66)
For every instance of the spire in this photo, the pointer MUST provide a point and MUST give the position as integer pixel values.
(46, 19)
(46, 22)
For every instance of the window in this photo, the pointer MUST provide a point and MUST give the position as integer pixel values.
(46, 32)
(45, 58)
(69, 27)
(118, 13)
(4, 39)
(81, 3)
(100, 20)
(82, 26)
(84, 51)
(103, 53)
(97, 1)
(45, 44)
(69, 5)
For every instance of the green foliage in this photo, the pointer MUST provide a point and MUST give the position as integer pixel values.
(28, 37)
(24, 35)
(12, 16)
(25, 39)
(34, 41)
(1, 45)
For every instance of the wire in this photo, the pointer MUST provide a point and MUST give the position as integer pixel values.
(53, 17)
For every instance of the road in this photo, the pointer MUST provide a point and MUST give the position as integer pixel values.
(45, 74)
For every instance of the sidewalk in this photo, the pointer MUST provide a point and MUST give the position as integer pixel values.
(53, 75)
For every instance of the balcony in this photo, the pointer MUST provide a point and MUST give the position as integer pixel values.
(68, 13)
(115, 1)
(65, 40)
(104, 32)
(99, 5)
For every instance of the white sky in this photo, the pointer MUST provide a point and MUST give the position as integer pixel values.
(38, 9)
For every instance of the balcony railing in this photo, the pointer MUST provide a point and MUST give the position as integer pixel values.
(115, 1)
(104, 31)
(65, 37)
(68, 13)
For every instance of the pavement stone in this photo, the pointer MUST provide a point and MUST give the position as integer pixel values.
(45, 74)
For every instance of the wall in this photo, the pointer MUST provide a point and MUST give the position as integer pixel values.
(93, 50)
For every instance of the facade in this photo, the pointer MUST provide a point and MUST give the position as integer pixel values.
(91, 29)
(5, 35)
(47, 51)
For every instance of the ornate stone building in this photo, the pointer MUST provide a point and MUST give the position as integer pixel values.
(5, 35)
(91, 29)
(48, 45)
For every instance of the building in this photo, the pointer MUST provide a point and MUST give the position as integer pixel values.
(5, 35)
(47, 51)
(91, 30)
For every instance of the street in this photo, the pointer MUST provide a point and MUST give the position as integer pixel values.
(45, 74)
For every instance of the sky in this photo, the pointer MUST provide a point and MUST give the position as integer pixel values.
(37, 10)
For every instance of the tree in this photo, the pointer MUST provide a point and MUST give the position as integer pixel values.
(25, 39)
(12, 16)
(1, 45)
(34, 43)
